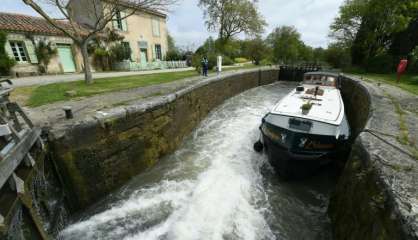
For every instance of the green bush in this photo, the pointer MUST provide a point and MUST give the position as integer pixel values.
(173, 55)
(338, 56)
(197, 61)
(6, 63)
(266, 62)
(101, 59)
(45, 52)
(118, 53)
(241, 60)
(383, 63)
(227, 61)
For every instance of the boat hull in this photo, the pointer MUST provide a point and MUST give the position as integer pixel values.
(288, 164)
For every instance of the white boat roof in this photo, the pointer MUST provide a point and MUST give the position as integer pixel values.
(327, 108)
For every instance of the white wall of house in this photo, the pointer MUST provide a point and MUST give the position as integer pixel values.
(141, 29)
(144, 30)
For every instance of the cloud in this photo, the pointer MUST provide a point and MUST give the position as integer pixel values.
(311, 17)
(186, 24)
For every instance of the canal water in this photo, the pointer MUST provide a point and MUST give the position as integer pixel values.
(215, 187)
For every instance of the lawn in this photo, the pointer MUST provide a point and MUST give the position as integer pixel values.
(408, 82)
(41, 95)
(35, 96)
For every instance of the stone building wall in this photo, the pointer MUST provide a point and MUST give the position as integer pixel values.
(102, 153)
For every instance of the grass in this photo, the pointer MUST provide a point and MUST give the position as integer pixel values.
(403, 136)
(55, 92)
(35, 96)
(408, 82)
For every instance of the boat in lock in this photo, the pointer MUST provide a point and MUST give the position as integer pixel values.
(307, 128)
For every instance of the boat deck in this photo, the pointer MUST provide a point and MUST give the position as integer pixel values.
(327, 107)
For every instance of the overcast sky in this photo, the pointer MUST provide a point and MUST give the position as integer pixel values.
(185, 22)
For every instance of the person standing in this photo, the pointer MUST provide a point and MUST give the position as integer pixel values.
(205, 66)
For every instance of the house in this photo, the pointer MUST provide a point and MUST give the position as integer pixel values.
(25, 32)
(145, 32)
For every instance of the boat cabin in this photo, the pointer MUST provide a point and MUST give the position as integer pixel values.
(324, 79)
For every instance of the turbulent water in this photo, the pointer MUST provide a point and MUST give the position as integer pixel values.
(215, 187)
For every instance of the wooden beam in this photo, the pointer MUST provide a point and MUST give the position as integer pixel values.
(17, 153)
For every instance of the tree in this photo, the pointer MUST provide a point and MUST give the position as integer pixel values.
(367, 27)
(338, 56)
(171, 43)
(345, 27)
(255, 49)
(209, 46)
(6, 63)
(231, 17)
(286, 44)
(319, 55)
(101, 13)
(173, 53)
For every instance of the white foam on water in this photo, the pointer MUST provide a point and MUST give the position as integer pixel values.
(224, 199)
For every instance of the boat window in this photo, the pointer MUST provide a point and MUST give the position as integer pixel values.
(331, 81)
(321, 80)
(300, 124)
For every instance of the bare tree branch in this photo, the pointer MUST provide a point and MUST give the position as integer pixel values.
(102, 12)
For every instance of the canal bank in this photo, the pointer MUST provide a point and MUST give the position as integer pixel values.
(376, 195)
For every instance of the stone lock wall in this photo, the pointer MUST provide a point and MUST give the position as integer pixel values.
(376, 192)
(100, 154)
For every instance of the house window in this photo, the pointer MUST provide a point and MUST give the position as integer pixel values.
(119, 21)
(156, 27)
(127, 48)
(19, 52)
(158, 54)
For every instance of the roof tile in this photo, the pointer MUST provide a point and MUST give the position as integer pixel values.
(24, 23)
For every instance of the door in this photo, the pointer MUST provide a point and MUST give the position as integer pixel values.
(66, 57)
(143, 55)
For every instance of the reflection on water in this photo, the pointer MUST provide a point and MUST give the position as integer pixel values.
(214, 187)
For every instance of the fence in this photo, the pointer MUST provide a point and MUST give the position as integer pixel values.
(135, 66)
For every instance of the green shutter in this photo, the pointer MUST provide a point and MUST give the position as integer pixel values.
(124, 21)
(154, 57)
(31, 51)
(9, 50)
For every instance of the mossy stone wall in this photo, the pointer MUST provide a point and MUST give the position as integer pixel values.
(101, 154)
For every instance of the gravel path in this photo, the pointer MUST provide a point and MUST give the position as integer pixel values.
(43, 80)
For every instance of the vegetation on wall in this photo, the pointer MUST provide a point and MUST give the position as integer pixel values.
(6, 63)
(107, 50)
(120, 53)
(45, 52)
